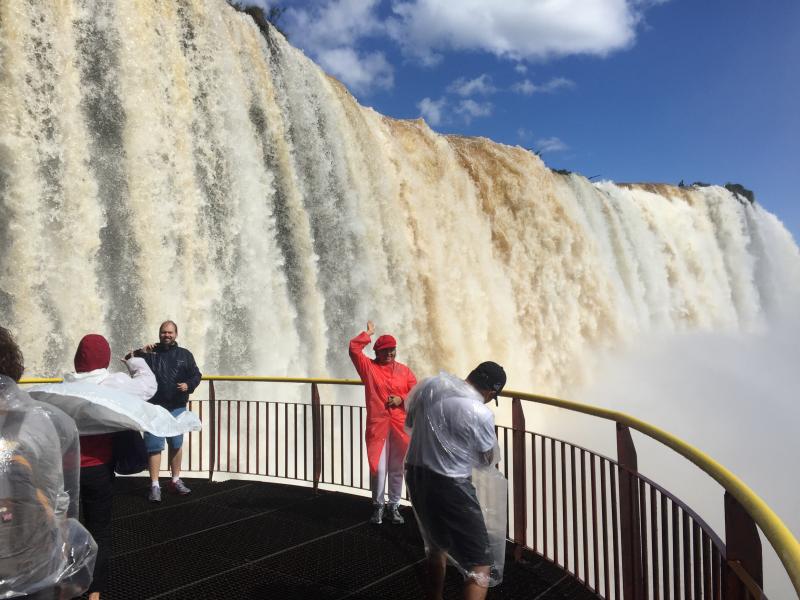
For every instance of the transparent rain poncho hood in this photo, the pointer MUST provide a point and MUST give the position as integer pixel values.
(103, 402)
(452, 434)
(42, 545)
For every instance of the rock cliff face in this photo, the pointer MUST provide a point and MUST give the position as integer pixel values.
(167, 160)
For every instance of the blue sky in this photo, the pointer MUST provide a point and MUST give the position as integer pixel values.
(628, 90)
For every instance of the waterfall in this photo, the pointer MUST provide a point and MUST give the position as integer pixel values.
(167, 160)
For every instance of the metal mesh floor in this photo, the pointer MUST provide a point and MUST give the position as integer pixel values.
(239, 539)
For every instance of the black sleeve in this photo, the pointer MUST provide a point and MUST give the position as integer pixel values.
(194, 373)
(147, 356)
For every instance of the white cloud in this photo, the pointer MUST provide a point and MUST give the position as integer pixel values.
(551, 144)
(556, 84)
(524, 87)
(542, 145)
(524, 134)
(516, 29)
(361, 73)
(431, 110)
(333, 24)
(469, 87)
(469, 109)
(527, 87)
(330, 33)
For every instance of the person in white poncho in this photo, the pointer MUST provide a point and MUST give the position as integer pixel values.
(97, 469)
(453, 441)
(103, 403)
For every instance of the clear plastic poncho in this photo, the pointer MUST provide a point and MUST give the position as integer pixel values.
(100, 409)
(42, 545)
(453, 437)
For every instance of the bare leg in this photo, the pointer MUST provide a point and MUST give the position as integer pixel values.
(175, 458)
(94, 596)
(437, 563)
(154, 466)
(474, 591)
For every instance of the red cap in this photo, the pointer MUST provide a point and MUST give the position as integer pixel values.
(93, 353)
(385, 341)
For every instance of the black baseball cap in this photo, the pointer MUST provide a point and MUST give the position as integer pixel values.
(489, 376)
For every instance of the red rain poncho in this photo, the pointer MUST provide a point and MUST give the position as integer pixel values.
(380, 382)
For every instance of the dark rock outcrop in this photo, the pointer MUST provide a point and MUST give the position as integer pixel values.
(738, 189)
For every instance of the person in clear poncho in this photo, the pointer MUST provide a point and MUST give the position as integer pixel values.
(44, 552)
(458, 495)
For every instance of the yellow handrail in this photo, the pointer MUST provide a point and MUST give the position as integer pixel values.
(782, 540)
(322, 380)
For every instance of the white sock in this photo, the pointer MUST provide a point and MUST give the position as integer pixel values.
(174, 479)
(155, 484)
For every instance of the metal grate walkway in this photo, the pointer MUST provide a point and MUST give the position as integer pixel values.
(240, 539)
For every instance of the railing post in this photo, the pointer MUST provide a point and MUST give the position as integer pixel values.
(520, 479)
(630, 519)
(743, 570)
(212, 429)
(316, 434)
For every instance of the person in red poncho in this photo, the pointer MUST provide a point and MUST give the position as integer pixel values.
(386, 385)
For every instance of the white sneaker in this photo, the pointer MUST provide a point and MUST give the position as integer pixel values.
(395, 518)
(179, 487)
(377, 514)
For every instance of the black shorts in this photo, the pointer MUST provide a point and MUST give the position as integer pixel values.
(449, 515)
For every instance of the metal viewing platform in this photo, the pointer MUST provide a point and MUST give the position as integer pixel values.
(243, 539)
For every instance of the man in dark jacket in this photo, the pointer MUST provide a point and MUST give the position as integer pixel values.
(178, 376)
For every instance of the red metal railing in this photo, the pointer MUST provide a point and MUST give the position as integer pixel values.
(619, 533)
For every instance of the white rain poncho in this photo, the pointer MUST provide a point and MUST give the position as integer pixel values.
(458, 487)
(42, 545)
(101, 402)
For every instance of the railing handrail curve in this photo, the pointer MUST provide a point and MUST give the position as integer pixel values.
(780, 537)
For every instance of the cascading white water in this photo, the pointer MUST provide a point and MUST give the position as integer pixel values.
(168, 160)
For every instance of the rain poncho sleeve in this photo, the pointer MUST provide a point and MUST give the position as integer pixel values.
(41, 546)
(142, 380)
(361, 361)
(453, 437)
(100, 402)
(380, 382)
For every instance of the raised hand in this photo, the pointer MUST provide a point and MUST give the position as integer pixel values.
(370, 328)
